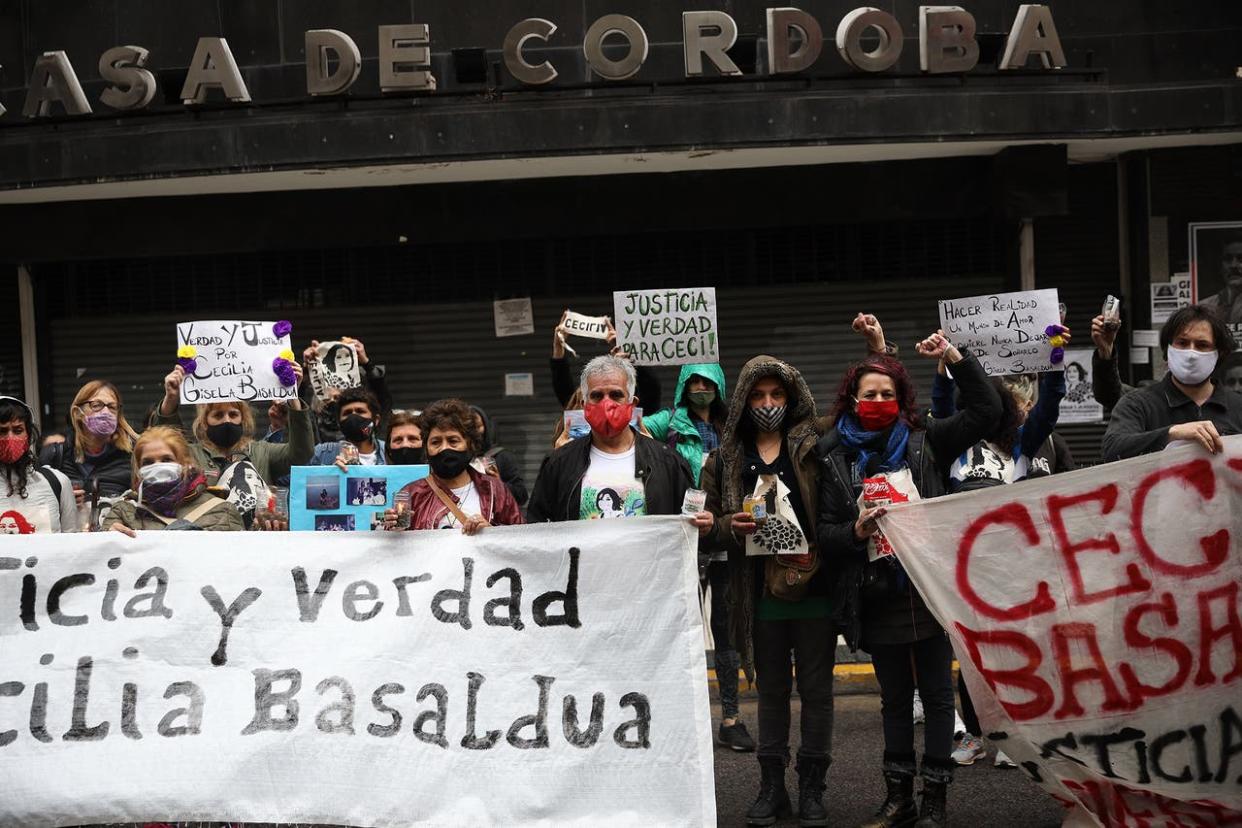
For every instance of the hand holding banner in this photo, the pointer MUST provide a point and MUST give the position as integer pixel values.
(1096, 616)
(516, 677)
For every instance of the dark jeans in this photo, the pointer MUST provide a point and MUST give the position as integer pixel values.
(933, 663)
(969, 717)
(727, 660)
(813, 643)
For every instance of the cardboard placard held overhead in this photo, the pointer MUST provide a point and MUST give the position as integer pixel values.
(1006, 331)
(668, 327)
(514, 317)
(234, 362)
(1079, 405)
(335, 368)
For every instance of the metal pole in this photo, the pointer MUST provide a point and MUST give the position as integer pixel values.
(30, 351)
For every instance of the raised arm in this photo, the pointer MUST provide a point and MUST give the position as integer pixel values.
(981, 406)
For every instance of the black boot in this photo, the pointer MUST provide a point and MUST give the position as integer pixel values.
(811, 810)
(936, 777)
(898, 810)
(773, 799)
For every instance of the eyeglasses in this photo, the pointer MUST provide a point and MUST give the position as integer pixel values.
(95, 406)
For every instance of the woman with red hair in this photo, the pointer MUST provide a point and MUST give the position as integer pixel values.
(882, 451)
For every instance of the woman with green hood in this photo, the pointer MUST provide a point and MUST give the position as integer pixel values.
(694, 427)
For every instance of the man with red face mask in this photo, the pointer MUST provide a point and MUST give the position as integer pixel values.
(614, 471)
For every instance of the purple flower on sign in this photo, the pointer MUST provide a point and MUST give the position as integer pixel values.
(1053, 330)
(282, 328)
(284, 372)
(1057, 356)
(188, 364)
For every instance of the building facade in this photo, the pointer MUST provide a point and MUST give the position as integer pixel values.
(436, 156)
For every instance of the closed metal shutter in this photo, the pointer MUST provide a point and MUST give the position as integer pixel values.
(12, 382)
(1078, 255)
(790, 292)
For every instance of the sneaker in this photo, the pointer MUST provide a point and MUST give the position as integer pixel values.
(1003, 761)
(918, 708)
(968, 750)
(736, 738)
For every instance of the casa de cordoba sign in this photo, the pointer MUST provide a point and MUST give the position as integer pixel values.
(794, 42)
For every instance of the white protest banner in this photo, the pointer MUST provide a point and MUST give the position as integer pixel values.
(335, 368)
(1096, 617)
(591, 327)
(1006, 331)
(371, 679)
(233, 362)
(513, 317)
(667, 327)
(1079, 405)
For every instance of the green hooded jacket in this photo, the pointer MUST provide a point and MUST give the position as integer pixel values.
(679, 419)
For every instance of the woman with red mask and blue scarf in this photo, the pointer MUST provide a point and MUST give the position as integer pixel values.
(881, 451)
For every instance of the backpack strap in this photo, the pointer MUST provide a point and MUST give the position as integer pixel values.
(52, 480)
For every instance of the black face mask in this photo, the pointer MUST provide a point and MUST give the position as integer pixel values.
(224, 435)
(407, 456)
(357, 428)
(449, 463)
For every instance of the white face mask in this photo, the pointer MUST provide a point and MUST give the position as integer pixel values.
(1191, 367)
(161, 473)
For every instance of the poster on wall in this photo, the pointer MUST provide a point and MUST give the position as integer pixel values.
(322, 499)
(1216, 268)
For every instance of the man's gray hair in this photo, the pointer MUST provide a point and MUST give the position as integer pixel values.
(608, 364)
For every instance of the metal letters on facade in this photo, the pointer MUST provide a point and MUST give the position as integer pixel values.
(321, 46)
(782, 24)
(213, 67)
(601, 30)
(947, 44)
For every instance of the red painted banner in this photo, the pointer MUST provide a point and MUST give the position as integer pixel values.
(1097, 617)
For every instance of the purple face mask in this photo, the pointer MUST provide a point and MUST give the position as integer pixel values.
(101, 423)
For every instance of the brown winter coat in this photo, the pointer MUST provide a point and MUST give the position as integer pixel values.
(223, 517)
(722, 481)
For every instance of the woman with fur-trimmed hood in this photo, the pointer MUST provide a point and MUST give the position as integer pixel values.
(779, 605)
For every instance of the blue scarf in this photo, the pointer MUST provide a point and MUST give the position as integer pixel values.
(856, 438)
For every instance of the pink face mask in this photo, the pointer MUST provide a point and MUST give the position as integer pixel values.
(101, 423)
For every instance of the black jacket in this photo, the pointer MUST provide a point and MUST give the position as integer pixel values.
(558, 489)
(873, 602)
(111, 474)
(1140, 422)
(506, 463)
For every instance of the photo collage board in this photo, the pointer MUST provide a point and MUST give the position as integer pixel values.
(323, 499)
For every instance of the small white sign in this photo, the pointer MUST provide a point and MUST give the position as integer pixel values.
(591, 327)
(520, 385)
(1164, 302)
(1140, 356)
(1145, 339)
(1006, 331)
(514, 317)
(234, 362)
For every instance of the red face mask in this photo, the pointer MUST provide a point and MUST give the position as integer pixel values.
(877, 415)
(608, 418)
(13, 449)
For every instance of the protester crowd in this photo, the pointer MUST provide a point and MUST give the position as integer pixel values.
(756, 467)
